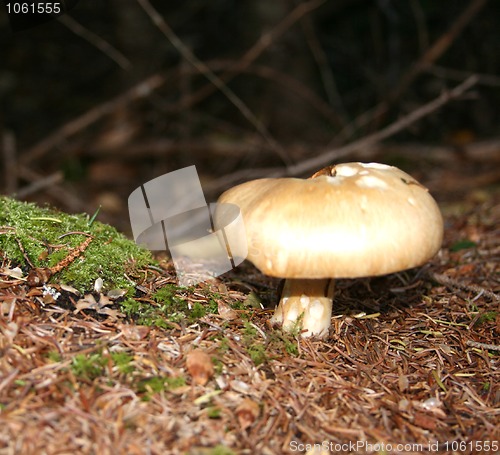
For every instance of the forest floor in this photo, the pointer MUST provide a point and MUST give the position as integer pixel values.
(411, 364)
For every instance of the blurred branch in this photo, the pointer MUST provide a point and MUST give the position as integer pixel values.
(368, 141)
(96, 41)
(144, 88)
(325, 71)
(297, 87)
(439, 47)
(264, 42)
(38, 183)
(141, 90)
(450, 73)
(203, 69)
(51, 184)
(390, 130)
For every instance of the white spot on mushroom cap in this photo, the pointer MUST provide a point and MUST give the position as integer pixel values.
(345, 170)
(375, 165)
(412, 201)
(369, 181)
(337, 180)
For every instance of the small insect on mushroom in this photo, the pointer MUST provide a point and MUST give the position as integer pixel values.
(349, 220)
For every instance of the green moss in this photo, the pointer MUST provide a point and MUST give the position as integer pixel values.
(168, 307)
(276, 344)
(110, 255)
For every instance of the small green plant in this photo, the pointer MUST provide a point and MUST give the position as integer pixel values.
(462, 245)
(254, 345)
(123, 362)
(261, 350)
(213, 412)
(488, 316)
(155, 384)
(89, 366)
(221, 450)
(54, 356)
(257, 352)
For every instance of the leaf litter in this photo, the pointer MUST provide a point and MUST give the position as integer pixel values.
(411, 359)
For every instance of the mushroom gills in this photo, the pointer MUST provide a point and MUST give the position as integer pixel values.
(305, 304)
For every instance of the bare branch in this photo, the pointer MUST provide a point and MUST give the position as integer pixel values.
(368, 141)
(96, 41)
(203, 69)
(141, 90)
(432, 54)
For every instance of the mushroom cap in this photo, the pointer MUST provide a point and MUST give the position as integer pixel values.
(350, 220)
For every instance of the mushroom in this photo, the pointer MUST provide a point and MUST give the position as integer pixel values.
(349, 220)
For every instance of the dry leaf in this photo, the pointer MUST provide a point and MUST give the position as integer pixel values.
(199, 366)
(134, 332)
(247, 412)
(226, 312)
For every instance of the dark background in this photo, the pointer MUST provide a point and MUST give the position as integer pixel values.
(76, 134)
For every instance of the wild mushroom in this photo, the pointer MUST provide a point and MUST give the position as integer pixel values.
(347, 221)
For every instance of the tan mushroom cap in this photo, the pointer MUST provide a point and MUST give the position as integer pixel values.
(358, 220)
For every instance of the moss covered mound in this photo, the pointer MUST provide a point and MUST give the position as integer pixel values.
(44, 237)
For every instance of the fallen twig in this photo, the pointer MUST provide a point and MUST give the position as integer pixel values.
(41, 275)
(488, 347)
(456, 284)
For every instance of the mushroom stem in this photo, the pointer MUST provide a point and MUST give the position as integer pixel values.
(307, 304)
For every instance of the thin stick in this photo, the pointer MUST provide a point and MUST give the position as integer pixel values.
(455, 284)
(106, 48)
(401, 124)
(40, 184)
(146, 87)
(139, 91)
(329, 156)
(439, 47)
(264, 41)
(488, 347)
(203, 69)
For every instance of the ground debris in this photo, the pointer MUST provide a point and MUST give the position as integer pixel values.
(421, 370)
